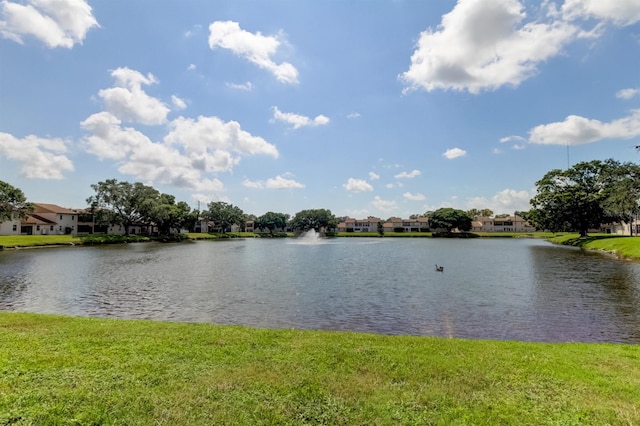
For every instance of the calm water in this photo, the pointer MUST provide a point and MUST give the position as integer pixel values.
(490, 289)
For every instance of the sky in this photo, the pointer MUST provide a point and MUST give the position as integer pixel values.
(367, 108)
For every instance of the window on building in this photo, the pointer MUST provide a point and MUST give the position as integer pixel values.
(37, 227)
(15, 227)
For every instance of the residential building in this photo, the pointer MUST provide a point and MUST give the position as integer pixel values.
(501, 224)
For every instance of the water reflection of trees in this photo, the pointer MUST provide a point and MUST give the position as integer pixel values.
(12, 283)
(585, 296)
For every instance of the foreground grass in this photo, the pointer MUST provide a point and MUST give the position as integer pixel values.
(623, 246)
(59, 370)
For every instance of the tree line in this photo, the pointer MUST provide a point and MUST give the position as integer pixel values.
(578, 199)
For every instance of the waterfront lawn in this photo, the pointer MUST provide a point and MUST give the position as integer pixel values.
(60, 370)
(38, 240)
(624, 246)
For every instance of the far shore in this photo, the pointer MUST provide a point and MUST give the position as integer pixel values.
(624, 247)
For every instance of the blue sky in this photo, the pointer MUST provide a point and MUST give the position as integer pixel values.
(366, 108)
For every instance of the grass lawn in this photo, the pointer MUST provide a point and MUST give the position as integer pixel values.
(61, 370)
(624, 246)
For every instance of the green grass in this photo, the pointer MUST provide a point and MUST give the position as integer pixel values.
(623, 246)
(61, 370)
(38, 240)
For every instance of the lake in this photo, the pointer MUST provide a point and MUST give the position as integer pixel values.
(514, 289)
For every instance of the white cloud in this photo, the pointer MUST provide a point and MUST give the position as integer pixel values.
(454, 153)
(384, 205)
(246, 87)
(627, 93)
(191, 150)
(129, 102)
(255, 48)
(41, 158)
(389, 186)
(576, 130)
(138, 156)
(505, 201)
(57, 23)
(353, 115)
(413, 197)
(373, 176)
(518, 146)
(357, 185)
(212, 143)
(620, 12)
(298, 120)
(409, 175)
(191, 67)
(496, 151)
(280, 182)
(483, 45)
(252, 184)
(178, 103)
(512, 139)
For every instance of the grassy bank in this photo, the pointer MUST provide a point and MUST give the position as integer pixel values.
(624, 247)
(58, 370)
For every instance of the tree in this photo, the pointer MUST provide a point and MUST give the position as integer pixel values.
(449, 218)
(480, 212)
(122, 203)
(169, 215)
(223, 215)
(317, 219)
(622, 200)
(572, 199)
(13, 202)
(272, 221)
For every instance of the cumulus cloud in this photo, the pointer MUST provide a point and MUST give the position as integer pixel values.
(255, 48)
(454, 153)
(414, 197)
(178, 103)
(353, 115)
(191, 67)
(385, 206)
(246, 87)
(484, 45)
(129, 102)
(41, 158)
(190, 151)
(512, 139)
(620, 12)
(408, 175)
(57, 23)
(505, 201)
(298, 120)
(373, 176)
(627, 93)
(576, 130)
(139, 156)
(357, 185)
(212, 143)
(279, 182)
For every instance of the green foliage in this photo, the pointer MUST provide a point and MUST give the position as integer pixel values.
(449, 218)
(58, 370)
(317, 219)
(170, 216)
(13, 202)
(223, 215)
(122, 203)
(272, 221)
(479, 212)
(585, 196)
